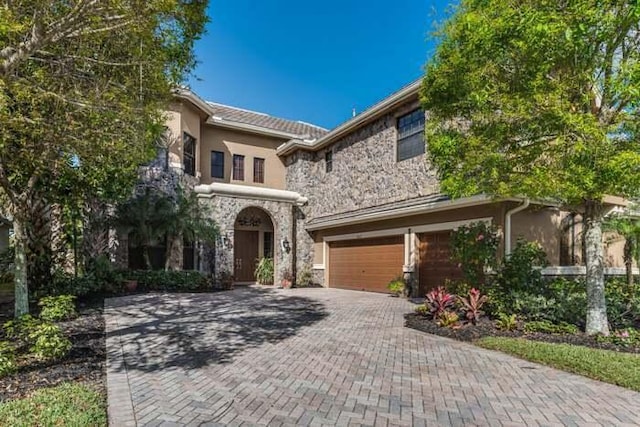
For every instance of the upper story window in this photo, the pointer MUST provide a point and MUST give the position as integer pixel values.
(411, 135)
(189, 154)
(328, 161)
(258, 170)
(238, 167)
(217, 164)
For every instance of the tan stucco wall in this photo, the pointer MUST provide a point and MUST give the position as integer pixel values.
(182, 117)
(245, 144)
(542, 226)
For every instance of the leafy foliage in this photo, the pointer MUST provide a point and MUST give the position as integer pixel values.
(439, 301)
(538, 98)
(7, 359)
(475, 247)
(305, 278)
(629, 337)
(472, 305)
(447, 319)
(48, 342)
(518, 271)
(19, 329)
(396, 286)
(422, 310)
(629, 228)
(57, 308)
(507, 322)
(264, 271)
(547, 327)
(83, 86)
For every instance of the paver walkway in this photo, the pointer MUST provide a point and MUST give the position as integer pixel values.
(325, 357)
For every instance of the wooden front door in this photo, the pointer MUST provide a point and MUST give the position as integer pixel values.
(436, 266)
(366, 265)
(245, 252)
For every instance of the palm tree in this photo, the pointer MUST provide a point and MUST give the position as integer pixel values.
(189, 220)
(629, 228)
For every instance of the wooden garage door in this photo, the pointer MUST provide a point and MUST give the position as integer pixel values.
(435, 261)
(367, 265)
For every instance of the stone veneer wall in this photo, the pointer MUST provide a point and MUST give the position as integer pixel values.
(365, 174)
(225, 210)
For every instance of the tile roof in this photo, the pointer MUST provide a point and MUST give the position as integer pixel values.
(239, 115)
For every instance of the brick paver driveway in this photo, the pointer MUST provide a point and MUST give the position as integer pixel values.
(325, 357)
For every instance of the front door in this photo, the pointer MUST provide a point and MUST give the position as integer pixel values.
(245, 251)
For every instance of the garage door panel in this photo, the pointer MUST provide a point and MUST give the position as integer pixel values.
(436, 266)
(367, 264)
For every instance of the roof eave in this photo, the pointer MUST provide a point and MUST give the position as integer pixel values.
(398, 97)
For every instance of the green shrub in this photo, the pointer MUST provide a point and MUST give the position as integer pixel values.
(474, 247)
(547, 327)
(7, 359)
(264, 271)
(19, 329)
(629, 337)
(64, 405)
(58, 308)
(7, 258)
(305, 278)
(518, 271)
(422, 310)
(447, 319)
(170, 281)
(396, 286)
(507, 322)
(48, 342)
(623, 303)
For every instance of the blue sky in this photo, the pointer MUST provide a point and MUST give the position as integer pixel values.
(313, 61)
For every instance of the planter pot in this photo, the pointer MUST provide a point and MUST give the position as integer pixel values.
(131, 285)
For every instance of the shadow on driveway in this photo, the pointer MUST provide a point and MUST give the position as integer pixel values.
(194, 330)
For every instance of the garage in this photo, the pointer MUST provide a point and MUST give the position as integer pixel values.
(366, 264)
(436, 266)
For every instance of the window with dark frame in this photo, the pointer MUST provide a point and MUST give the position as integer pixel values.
(217, 164)
(189, 154)
(328, 160)
(238, 167)
(411, 141)
(258, 170)
(268, 244)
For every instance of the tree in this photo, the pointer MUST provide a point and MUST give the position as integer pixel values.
(188, 220)
(83, 84)
(539, 98)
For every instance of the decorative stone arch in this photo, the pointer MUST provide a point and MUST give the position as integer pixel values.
(225, 210)
(254, 237)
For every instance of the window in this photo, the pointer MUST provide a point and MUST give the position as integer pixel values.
(238, 167)
(328, 160)
(268, 244)
(217, 164)
(189, 154)
(411, 135)
(258, 170)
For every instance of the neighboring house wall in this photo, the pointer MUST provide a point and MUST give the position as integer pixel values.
(249, 145)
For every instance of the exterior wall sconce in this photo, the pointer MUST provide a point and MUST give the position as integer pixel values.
(226, 242)
(286, 246)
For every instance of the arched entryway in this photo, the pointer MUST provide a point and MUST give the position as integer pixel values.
(253, 239)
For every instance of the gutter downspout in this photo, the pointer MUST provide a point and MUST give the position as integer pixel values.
(507, 225)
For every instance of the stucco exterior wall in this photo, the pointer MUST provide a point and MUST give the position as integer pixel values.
(249, 145)
(542, 226)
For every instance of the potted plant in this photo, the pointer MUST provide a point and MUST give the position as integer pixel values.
(264, 271)
(131, 285)
(226, 280)
(287, 279)
(396, 286)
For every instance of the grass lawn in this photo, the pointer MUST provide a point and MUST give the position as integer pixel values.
(622, 369)
(69, 404)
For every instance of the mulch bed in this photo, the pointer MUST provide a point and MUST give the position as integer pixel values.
(487, 328)
(85, 362)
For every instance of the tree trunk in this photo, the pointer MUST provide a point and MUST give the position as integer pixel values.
(146, 257)
(628, 260)
(597, 322)
(167, 253)
(20, 273)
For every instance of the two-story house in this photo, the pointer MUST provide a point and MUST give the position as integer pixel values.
(359, 205)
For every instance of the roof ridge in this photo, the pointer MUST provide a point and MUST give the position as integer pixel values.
(241, 109)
